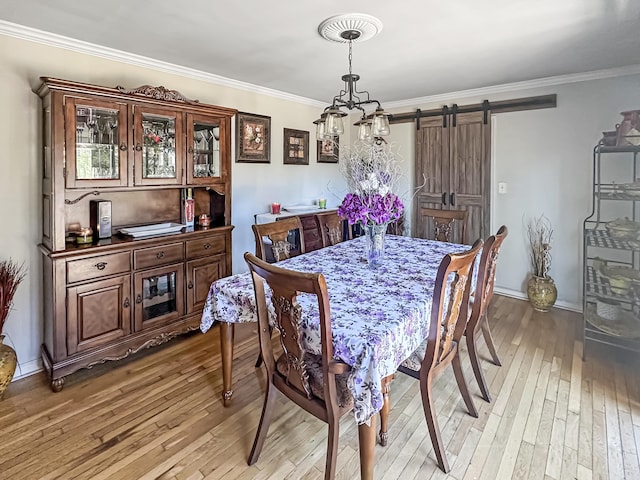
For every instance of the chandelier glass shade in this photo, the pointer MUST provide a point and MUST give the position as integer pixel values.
(371, 125)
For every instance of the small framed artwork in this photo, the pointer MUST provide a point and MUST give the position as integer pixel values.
(253, 138)
(328, 150)
(296, 147)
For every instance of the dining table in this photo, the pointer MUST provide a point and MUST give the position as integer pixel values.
(379, 316)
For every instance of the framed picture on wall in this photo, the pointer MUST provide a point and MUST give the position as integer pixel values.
(296, 147)
(328, 150)
(253, 138)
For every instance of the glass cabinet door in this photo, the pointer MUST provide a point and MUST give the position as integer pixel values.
(159, 296)
(96, 143)
(159, 146)
(205, 139)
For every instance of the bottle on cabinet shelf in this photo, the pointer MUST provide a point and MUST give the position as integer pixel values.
(188, 207)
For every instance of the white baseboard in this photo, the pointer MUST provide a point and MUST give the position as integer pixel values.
(507, 292)
(26, 369)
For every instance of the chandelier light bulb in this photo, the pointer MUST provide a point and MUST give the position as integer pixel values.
(380, 126)
(352, 28)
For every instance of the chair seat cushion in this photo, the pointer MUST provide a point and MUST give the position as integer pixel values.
(414, 362)
(316, 378)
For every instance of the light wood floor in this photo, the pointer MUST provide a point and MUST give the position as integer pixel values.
(160, 416)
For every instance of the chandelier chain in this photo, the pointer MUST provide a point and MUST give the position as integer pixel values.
(350, 56)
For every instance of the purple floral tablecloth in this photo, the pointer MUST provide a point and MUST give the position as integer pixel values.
(378, 316)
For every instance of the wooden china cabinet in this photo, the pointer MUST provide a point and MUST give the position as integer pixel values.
(140, 150)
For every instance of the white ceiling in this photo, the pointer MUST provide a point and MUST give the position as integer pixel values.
(426, 47)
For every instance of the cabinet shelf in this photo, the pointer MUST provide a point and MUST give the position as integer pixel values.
(610, 201)
(602, 239)
(618, 149)
(598, 286)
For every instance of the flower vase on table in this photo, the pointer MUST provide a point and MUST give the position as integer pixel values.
(375, 244)
(372, 173)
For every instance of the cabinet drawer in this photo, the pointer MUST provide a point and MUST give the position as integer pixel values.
(100, 266)
(155, 256)
(206, 246)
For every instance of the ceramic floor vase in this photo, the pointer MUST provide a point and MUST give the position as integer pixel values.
(542, 293)
(8, 362)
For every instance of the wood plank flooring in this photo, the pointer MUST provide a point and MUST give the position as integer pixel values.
(159, 415)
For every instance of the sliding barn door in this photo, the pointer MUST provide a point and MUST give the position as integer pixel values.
(453, 166)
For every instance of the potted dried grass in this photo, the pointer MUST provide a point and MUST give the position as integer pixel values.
(11, 274)
(541, 288)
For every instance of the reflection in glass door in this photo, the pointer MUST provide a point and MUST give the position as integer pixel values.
(206, 151)
(159, 296)
(205, 140)
(159, 147)
(97, 154)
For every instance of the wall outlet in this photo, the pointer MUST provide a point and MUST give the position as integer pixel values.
(502, 187)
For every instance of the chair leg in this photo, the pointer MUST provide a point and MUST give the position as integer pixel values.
(259, 359)
(432, 424)
(265, 421)
(386, 407)
(488, 339)
(462, 385)
(332, 449)
(475, 364)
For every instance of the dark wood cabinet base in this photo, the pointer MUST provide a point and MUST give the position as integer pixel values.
(57, 371)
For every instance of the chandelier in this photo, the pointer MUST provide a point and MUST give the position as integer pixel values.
(348, 29)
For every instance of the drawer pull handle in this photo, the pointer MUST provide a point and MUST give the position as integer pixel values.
(190, 285)
(138, 148)
(123, 146)
(101, 265)
(190, 150)
(126, 302)
(139, 299)
(160, 255)
(207, 246)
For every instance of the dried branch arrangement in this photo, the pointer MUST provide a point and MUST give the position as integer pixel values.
(11, 274)
(540, 233)
(370, 168)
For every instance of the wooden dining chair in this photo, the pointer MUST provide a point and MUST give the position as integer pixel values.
(480, 304)
(317, 383)
(397, 226)
(449, 312)
(279, 247)
(331, 228)
(444, 223)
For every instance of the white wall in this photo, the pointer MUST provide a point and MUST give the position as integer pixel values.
(545, 157)
(255, 186)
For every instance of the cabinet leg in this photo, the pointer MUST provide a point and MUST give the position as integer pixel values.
(57, 384)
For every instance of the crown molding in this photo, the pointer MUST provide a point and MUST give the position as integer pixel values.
(67, 43)
(524, 85)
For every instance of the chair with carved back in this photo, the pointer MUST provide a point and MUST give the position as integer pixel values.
(317, 383)
(481, 299)
(444, 223)
(449, 313)
(397, 226)
(278, 247)
(331, 228)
